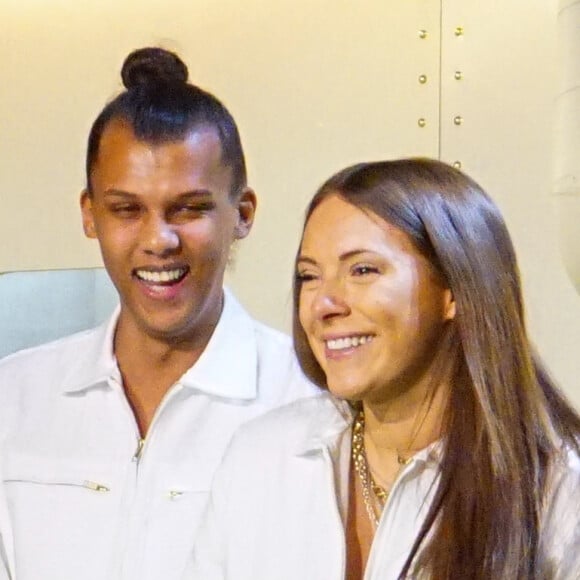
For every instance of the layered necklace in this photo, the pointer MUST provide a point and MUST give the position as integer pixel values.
(374, 496)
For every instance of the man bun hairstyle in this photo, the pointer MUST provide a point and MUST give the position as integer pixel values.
(161, 106)
(150, 66)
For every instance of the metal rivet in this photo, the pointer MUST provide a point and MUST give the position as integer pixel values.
(457, 164)
(458, 120)
(458, 75)
(459, 31)
(422, 34)
(421, 122)
(422, 79)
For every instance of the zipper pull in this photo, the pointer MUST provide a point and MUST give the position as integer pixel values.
(96, 486)
(139, 449)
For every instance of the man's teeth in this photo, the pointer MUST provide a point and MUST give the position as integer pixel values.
(347, 342)
(158, 277)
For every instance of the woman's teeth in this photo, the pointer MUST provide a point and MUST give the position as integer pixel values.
(347, 342)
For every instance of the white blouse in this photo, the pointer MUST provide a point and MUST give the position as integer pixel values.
(279, 501)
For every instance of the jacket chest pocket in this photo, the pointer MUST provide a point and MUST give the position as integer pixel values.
(178, 499)
(184, 488)
(64, 516)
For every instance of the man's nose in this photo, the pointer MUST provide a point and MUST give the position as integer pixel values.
(160, 237)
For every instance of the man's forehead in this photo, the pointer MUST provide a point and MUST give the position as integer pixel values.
(119, 132)
(128, 163)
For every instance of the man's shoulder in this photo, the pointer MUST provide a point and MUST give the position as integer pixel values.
(272, 338)
(53, 354)
(32, 377)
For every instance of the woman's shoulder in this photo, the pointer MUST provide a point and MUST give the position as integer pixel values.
(561, 524)
(566, 467)
(265, 452)
(304, 422)
(563, 484)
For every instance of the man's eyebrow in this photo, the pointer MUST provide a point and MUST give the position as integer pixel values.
(119, 193)
(113, 192)
(196, 193)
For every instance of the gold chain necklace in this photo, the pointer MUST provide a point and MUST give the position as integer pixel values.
(368, 484)
(372, 492)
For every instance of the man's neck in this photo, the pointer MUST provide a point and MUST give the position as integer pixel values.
(149, 368)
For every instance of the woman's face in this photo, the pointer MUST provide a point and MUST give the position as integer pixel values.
(372, 307)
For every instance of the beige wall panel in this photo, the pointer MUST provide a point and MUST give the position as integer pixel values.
(566, 186)
(505, 98)
(314, 85)
(341, 85)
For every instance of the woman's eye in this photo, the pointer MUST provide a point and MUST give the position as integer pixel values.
(186, 209)
(305, 277)
(364, 269)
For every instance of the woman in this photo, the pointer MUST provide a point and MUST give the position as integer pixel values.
(443, 450)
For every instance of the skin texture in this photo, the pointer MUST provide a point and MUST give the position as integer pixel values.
(159, 208)
(369, 281)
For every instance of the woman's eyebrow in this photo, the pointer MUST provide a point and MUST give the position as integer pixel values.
(344, 257)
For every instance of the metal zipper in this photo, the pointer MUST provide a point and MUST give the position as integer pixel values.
(87, 484)
(96, 486)
(139, 450)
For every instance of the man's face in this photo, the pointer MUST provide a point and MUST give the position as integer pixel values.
(165, 219)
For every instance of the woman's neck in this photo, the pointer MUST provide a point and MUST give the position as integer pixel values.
(398, 428)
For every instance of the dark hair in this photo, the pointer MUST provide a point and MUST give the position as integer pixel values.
(505, 419)
(161, 106)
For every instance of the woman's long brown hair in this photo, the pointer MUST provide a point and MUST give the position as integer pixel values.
(505, 420)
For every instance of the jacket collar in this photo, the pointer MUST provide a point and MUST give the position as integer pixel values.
(322, 421)
(227, 367)
(94, 363)
(328, 419)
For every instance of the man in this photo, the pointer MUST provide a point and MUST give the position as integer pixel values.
(112, 435)
(6, 547)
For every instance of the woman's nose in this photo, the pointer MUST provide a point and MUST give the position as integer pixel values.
(330, 301)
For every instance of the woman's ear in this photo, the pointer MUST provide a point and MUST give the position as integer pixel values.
(247, 202)
(449, 311)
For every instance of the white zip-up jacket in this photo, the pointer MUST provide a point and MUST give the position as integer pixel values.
(278, 503)
(6, 544)
(87, 498)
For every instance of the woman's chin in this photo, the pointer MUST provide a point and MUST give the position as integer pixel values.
(345, 391)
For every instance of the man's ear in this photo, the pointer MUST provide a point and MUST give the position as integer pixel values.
(87, 214)
(246, 206)
(449, 312)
